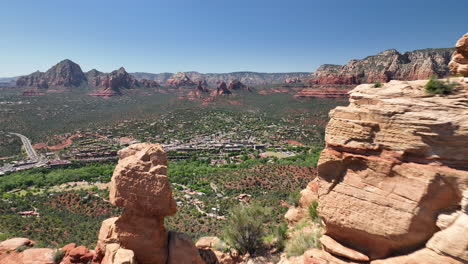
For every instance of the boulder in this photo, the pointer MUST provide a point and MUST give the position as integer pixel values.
(459, 62)
(208, 242)
(14, 243)
(76, 255)
(139, 184)
(330, 245)
(38, 256)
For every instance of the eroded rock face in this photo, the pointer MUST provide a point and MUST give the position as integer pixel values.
(179, 79)
(385, 66)
(64, 74)
(221, 90)
(459, 62)
(395, 159)
(237, 85)
(139, 184)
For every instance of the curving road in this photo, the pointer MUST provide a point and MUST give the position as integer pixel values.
(27, 146)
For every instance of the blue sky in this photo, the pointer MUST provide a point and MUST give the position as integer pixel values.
(218, 35)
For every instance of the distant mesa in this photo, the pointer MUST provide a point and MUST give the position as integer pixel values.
(385, 66)
(179, 79)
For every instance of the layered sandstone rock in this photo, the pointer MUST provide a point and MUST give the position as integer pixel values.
(111, 84)
(385, 66)
(179, 79)
(222, 89)
(140, 185)
(396, 158)
(459, 62)
(238, 85)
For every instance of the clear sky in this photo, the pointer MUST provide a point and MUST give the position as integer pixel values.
(218, 35)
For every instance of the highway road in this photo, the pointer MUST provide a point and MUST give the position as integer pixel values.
(27, 146)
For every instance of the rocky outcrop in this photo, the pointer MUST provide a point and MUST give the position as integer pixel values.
(459, 62)
(76, 255)
(148, 83)
(293, 80)
(393, 174)
(64, 74)
(221, 90)
(236, 85)
(112, 84)
(199, 92)
(385, 66)
(139, 184)
(10, 253)
(179, 79)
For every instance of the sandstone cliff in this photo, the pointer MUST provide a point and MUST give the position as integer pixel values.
(393, 178)
(385, 66)
(179, 79)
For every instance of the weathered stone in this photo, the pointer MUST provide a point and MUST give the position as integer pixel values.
(459, 62)
(139, 182)
(14, 243)
(392, 163)
(38, 256)
(207, 242)
(333, 247)
(182, 250)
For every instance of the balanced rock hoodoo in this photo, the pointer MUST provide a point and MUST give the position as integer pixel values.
(140, 185)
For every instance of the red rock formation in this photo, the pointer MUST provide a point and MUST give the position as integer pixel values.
(179, 79)
(221, 90)
(148, 83)
(236, 85)
(76, 255)
(459, 63)
(385, 66)
(140, 185)
(199, 92)
(64, 74)
(393, 174)
(112, 84)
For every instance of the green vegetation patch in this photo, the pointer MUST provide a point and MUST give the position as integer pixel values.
(434, 86)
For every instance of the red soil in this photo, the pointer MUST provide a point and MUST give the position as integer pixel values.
(293, 142)
(65, 143)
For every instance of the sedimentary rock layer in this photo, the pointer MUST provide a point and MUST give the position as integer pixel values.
(395, 159)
